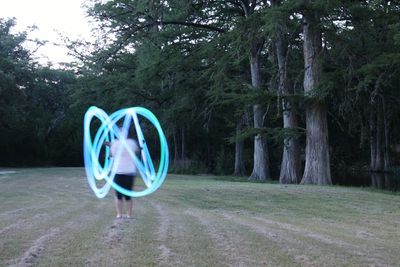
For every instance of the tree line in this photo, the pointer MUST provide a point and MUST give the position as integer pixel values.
(294, 89)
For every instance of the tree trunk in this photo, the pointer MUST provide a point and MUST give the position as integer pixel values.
(317, 166)
(261, 166)
(379, 141)
(261, 162)
(291, 162)
(372, 141)
(363, 132)
(387, 141)
(239, 148)
(179, 148)
(183, 144)
(176, 150)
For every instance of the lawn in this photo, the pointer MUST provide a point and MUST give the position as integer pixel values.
(50, 217)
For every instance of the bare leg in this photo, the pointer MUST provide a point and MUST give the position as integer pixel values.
(118, 206)
(129, 204)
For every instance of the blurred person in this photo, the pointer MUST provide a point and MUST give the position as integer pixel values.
(125, 169)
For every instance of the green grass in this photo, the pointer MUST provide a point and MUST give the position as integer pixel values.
(50, 217)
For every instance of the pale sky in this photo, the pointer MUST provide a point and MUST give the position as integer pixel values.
(50, 16)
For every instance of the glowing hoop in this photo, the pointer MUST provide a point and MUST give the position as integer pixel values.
(108, 131)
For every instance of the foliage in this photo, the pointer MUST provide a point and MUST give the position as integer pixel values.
(32, 102)
(188, 61)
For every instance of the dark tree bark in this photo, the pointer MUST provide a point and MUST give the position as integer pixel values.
(176, 150)
(372, 140)
(240, 169)
(379, 141)
(363, 132)
(183, 155)
(386, 130)
(317, 167)
(379, 137)
(378, 180)
(179, 148)
(379, 128)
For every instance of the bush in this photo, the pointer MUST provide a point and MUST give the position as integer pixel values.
(187, 167)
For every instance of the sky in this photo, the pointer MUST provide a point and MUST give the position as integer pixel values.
(50, 16)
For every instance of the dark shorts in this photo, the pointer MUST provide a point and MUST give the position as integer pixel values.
(126, 181)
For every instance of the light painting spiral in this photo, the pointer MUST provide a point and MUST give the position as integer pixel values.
(108, 132)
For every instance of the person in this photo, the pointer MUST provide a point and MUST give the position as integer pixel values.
(125, 170)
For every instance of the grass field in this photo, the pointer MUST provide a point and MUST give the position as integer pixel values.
(50, 217)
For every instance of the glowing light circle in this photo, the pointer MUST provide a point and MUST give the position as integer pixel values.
(108, 132)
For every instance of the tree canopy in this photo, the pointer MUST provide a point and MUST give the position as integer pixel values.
(285, 89)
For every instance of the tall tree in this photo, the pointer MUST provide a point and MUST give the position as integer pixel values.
(317, 166)
(197, 21)
(290, 171)
(362, 63)
(251, 13)
(15, 78)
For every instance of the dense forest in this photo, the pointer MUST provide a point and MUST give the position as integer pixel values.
(294, 90)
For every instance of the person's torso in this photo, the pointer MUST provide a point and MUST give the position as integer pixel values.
(123, 160)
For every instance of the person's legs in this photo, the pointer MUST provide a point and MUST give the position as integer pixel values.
(129, 205)
(118, 206)
(126, 182)
(129, 202)
(118, 197)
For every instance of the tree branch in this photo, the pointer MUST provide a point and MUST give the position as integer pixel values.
(191, 24)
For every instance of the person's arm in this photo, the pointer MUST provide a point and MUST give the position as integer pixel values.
(108, 144)
(112, 148)
(137, 147)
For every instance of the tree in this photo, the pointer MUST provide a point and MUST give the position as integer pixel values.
(317, 163)
(15, 77)
(290, 171)
(261, 169)
(133, 22)
(32, 101)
